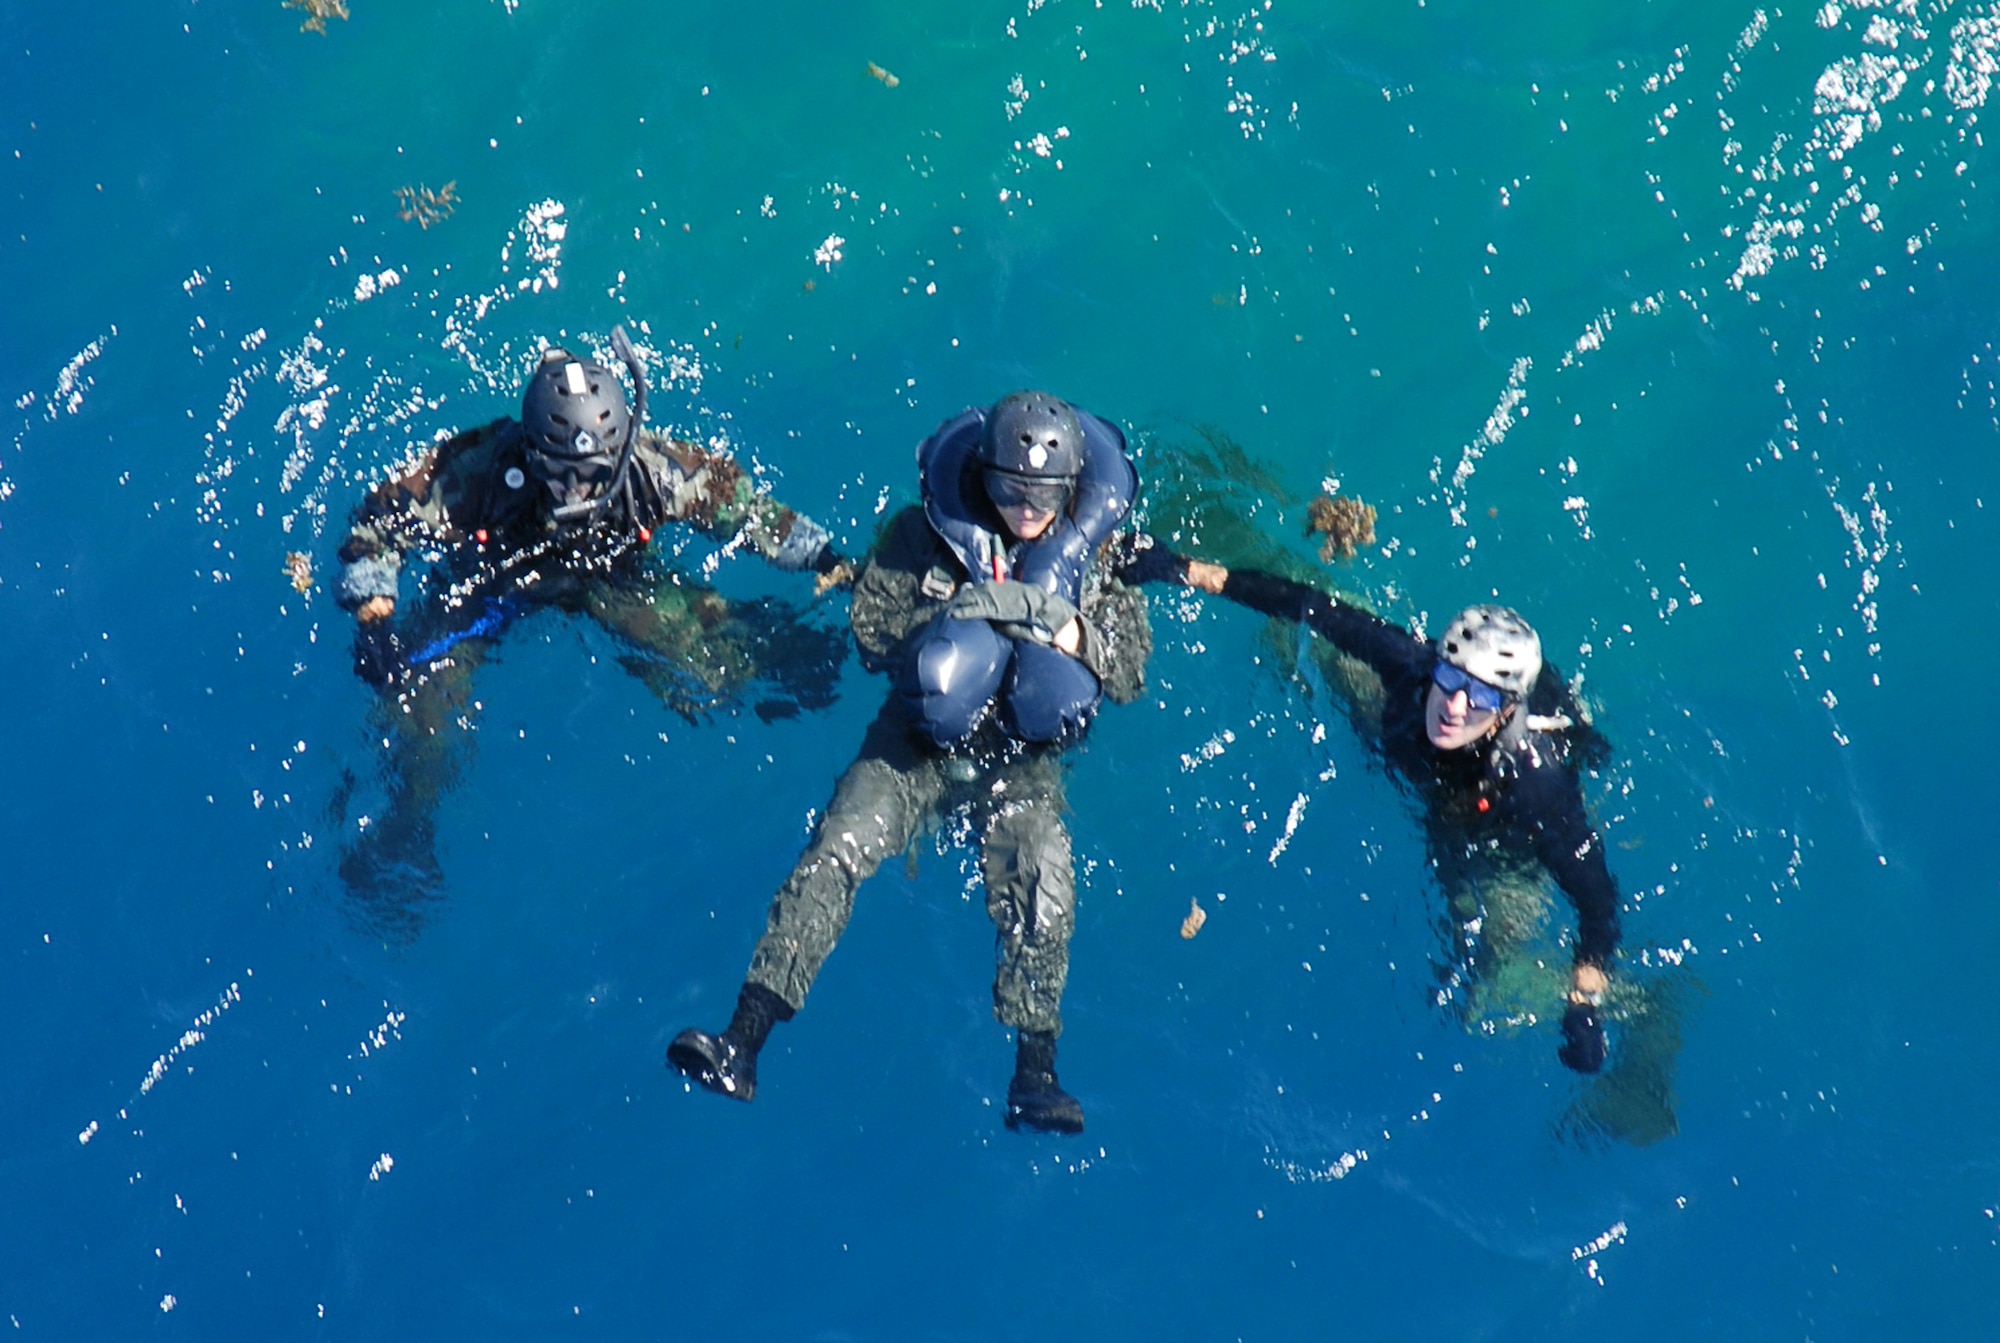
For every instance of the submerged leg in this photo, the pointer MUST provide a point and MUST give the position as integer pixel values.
(700, 652)
(1031, 898)
(1632, 1101)
(875, 811)
(873, 815)
(391, 869)
(1500, 964)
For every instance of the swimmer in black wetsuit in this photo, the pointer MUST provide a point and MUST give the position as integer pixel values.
(1488, 746)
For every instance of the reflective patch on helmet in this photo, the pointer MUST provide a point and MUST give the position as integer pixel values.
(1038, 456)
(573, 377)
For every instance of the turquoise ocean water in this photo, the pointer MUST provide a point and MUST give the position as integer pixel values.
(1673, 324)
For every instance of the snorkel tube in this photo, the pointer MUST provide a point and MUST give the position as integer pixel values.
(621, 345)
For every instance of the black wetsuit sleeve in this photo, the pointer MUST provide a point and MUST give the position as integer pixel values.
(1134, 558)
(1548, 803)
(1389, 649)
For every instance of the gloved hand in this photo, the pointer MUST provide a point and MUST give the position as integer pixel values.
(1027, 612)
(1137, 558)
(1584, 1047)
(1017, 610)
(832, 571)
(379, 656)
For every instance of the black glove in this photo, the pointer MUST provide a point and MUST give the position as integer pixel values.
(1138, 558)
(378, 654)
(1583, 1047)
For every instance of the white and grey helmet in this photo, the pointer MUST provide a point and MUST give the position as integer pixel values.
(1494, 644)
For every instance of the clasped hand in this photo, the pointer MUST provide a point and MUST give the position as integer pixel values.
(1022, 611)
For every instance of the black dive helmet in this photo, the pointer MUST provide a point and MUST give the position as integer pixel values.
(581, 430)
(1031, 452)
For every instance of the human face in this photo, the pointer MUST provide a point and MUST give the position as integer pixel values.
(1451, 719)
(1025, 521)
(1027, 505)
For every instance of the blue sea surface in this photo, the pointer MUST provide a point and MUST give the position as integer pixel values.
(1671, 324)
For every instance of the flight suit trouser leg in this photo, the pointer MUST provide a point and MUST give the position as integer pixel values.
(1031, 898)
(876, 809)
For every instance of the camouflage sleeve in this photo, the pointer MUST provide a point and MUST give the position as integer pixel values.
(423, 502)
(710, 491)
(907, 581)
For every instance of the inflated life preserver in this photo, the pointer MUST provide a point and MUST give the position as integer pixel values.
(955, 503)
(959, 669)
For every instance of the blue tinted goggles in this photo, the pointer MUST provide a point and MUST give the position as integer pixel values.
(1481, 696)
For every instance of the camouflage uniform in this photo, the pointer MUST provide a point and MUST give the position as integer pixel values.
(473, 509)
(477, 488)
(899, 784)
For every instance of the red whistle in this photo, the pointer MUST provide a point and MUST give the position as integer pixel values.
(645, 535)
(1485, 805)
(480, 536)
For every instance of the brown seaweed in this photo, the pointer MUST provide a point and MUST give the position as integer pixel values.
(318, 12)
(1196, 917)
(425, 206)
(1347, 524)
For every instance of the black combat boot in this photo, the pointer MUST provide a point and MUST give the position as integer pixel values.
(727, 1063)
(1034, 1099)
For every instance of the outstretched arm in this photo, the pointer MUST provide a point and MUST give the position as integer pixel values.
(712, 492)
(1361, 634)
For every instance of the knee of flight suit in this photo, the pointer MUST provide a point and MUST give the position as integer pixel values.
(869, 819)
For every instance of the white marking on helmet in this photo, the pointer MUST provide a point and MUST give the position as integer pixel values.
(1038, 456)
(573, 375)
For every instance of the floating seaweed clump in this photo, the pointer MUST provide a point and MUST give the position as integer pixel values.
(1347, 524)
(425, 206)
(1196, 917)
(318, 12)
